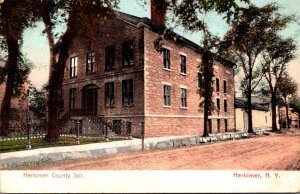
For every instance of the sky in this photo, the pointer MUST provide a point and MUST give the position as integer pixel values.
(36, 48)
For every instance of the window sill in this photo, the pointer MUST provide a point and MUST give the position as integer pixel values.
(129, 105)
(183, 74)
(108, 70)
(127, 66)
(167, 69)
(184, 108)
(166, 106)
(92, 73)
(73, 77)
(110, 107)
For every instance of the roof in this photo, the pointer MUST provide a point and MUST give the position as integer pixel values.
(146, 22)
(256, 104)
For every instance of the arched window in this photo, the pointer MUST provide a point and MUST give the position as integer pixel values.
(90, 99)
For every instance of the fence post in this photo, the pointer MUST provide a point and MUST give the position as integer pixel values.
(129, 130)
(29, 125)
(143, 134)
(106, 132)
(78, 125)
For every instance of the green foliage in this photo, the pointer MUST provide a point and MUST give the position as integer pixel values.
(190, 12)
(295, 104)
(20, 144)
(37, 101)
(24, 67)
(251, 33)
(287, 87)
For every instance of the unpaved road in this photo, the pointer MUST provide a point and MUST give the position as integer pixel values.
(272, 152)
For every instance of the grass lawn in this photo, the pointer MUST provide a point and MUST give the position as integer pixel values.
(20, 144)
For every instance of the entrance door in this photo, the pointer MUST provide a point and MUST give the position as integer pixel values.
(89, 99)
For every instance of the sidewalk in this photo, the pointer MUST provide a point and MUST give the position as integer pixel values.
(35, 156)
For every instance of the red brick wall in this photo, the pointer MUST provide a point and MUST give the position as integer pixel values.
(114, 33)
(20, 102)
(149, 77)
(177, 120)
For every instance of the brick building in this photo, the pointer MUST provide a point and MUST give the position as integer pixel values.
(120, 74)
(294, 119)
(19, 104)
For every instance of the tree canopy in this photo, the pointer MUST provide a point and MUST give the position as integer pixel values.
(250, 34)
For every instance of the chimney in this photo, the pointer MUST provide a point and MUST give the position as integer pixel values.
(158, 12)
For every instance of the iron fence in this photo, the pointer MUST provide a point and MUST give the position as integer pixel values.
(75, 130)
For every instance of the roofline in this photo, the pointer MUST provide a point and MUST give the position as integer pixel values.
(146, 22)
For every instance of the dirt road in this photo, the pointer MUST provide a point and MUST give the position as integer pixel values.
(272, 152)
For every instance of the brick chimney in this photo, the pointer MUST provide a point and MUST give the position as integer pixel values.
(158, 12)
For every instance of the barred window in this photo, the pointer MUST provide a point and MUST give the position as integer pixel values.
(218, 105)
(127, 92)
(183, 64)
(127, 50)
(73, 67)
(109, 94)
(72, 98)
(167, 95)
(225, 125)
(90, 63)
(200, 83)
(225, 105)
(217, 85)
(110, 58)
(218, 125)
(183, 97)
(166, 56)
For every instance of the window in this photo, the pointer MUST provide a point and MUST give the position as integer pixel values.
(266, 119)
(166, 55)
(183, 64)
(110, 58)
(72, 98)
(90, 63)
(217, 85)
(209, 125)
(218, 105)
(127, 50)
(127, 92)
(225, 87)
(225, 105)
(109, 94)
(183, 97)
(167, 95)
(218, 125)
(225, 125)
(73, 67)
(200, 80)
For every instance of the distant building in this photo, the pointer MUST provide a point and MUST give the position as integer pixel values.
(293, 118)
(261, 114)
(19, 104)
(119, 74)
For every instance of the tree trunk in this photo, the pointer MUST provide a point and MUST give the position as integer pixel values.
(13, 53)
(55, 85)
(207, 90)
(273, 108)
(249, 103)
(287, 113)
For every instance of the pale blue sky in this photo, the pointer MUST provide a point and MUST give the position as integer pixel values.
(36, 45)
